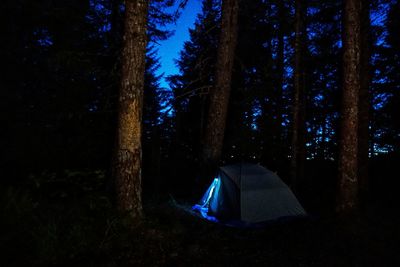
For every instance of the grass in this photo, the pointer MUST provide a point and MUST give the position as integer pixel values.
(67, 219)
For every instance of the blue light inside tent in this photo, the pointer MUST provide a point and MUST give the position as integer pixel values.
(208, 199)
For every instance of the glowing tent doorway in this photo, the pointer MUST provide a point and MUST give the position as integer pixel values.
(249, 193)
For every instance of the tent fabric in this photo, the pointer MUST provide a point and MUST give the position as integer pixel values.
(249, 193)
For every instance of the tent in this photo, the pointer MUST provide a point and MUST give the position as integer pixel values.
(248, 193)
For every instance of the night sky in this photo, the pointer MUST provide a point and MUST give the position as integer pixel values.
(168, 50)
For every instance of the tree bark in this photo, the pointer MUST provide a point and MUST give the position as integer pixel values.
(219, 95)
(128, 154)
(364, 103)
(299, 99)
(348, 151)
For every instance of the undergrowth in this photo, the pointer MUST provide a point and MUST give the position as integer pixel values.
(67, 219)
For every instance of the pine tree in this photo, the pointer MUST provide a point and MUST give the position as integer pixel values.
(391, 67)
(348, 154)
(324, 70)
(219, 95)
(364, 102)
(298, 133)
(152, 139)
(128, 154)
(190, 87)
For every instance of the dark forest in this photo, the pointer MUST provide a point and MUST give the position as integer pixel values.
(103, 166)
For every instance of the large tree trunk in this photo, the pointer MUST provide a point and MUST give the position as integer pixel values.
(364, 103)
(219, 96)
(348, 150)
(299, 99)
(128, 154)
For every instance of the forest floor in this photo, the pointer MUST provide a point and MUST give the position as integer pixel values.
(80, 229)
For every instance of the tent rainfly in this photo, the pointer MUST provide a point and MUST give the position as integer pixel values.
(249, 193)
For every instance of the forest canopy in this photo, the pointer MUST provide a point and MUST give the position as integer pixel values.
(94, 131)
(63, 68)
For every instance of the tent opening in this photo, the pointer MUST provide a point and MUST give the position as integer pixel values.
(207, 199)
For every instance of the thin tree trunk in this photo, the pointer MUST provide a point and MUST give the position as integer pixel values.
(280, 72)
(299, 99)
(115, 23)
(348, 151)
(219, 96)
(364, 103)
(128, 154)
(267, 116)
(203, 113)
(156, 159)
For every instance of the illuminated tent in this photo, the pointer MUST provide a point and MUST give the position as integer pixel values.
(249, 193)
